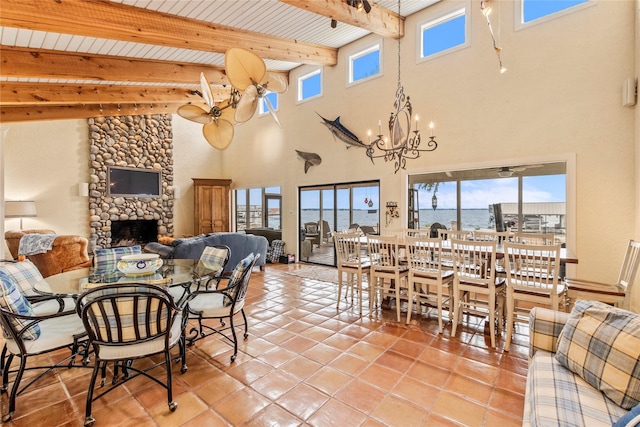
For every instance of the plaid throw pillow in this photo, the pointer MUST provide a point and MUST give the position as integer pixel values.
(601, 344)
(25, 273)
(240, 269)
(106, 260)
(214, 258)
(277, 249)
(12, 299)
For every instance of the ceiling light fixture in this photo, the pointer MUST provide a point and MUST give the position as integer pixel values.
(401, 144)
(485, 8)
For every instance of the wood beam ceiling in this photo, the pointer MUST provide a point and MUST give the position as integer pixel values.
(141, 86)
(128, 23)
(379, 20)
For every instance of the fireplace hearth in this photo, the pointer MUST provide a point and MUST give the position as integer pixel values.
(133, 232)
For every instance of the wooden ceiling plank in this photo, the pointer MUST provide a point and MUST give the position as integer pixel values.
(21, 93)
(52, 64)
(379, 20)
(128, 23)
(46, 112)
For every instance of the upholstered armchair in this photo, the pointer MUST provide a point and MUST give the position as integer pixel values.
(67, 253)
(13, 239)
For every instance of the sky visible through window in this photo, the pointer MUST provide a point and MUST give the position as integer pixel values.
(310, 86)
(366, 65)
(273, 98)
(443, 36)
(534, 9)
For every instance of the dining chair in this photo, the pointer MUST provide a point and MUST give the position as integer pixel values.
(125, 323)
(207, 273)
(222, 304)
(31, 336)
(534, 238)
(488, 236)
(532, 279)
(618, 293)
(350, 261)
(453, 234)
(475, 287)
(388, 277)
(429, 283)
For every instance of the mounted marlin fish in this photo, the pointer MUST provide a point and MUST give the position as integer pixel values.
(342, 133)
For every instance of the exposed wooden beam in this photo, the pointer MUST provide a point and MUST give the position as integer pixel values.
(115, 21)
(379, 20)
(55, 64)
(34, 112)
(19, 93)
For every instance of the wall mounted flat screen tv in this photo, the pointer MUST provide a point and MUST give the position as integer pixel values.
(134, 182)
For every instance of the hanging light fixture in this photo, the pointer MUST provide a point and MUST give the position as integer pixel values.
(485, 8)
(403, 143)
(434, 202)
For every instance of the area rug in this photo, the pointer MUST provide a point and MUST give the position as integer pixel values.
(316, 272)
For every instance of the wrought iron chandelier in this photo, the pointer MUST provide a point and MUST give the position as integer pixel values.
(403, 143)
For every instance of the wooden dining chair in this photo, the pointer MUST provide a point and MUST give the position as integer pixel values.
(532, 280)
(429, 283)
(534, 238)
(475, 287)
(618, 293)
(350, 261)
(388, 275)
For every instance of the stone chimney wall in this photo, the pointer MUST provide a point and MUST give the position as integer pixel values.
(144, 142)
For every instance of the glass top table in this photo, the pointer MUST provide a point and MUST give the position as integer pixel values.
(174, 272)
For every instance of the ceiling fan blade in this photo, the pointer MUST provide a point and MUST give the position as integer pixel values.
(247, 105)
(272, 111)
(244, 68)
(275, 82)
(194, 114)
(218, 133)
(206, 90)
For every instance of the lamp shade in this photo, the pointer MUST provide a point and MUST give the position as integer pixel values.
(19, 209)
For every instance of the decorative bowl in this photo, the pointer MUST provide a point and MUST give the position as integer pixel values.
(139, 264)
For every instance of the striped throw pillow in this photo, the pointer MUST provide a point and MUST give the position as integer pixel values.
(601, 344)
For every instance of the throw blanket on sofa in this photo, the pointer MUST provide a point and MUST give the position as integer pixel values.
(31, 244)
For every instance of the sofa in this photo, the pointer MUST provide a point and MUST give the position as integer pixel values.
(240, 244)
(68, 252)
(584, 366)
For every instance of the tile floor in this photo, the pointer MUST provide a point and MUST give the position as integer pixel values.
(305, 363)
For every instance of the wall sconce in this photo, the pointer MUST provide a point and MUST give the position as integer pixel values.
(392, 212)
(83, 189)
(19, 209)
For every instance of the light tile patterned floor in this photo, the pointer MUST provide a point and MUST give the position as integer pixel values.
(305, 363)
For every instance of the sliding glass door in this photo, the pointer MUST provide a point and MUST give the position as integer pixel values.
(335, 207)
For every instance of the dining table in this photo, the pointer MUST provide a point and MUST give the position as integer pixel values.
(172, 274)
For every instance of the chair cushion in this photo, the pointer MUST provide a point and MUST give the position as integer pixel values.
(56, 332)
(601, 344)
(13, 300)
(25, 273)
(107, 259)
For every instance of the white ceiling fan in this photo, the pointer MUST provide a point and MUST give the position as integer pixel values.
(218, 121)
(248, 74)
(250, 82)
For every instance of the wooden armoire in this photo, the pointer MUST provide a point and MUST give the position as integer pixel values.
(211, 205)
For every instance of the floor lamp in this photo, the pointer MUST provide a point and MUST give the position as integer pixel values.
(19, 209)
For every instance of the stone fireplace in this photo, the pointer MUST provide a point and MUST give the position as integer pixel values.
(133, 142)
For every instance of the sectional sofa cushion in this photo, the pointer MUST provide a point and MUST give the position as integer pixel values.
(601, 344)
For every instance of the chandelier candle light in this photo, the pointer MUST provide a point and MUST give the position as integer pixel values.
(403, 143)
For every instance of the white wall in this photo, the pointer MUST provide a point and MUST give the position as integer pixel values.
(560, 100)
